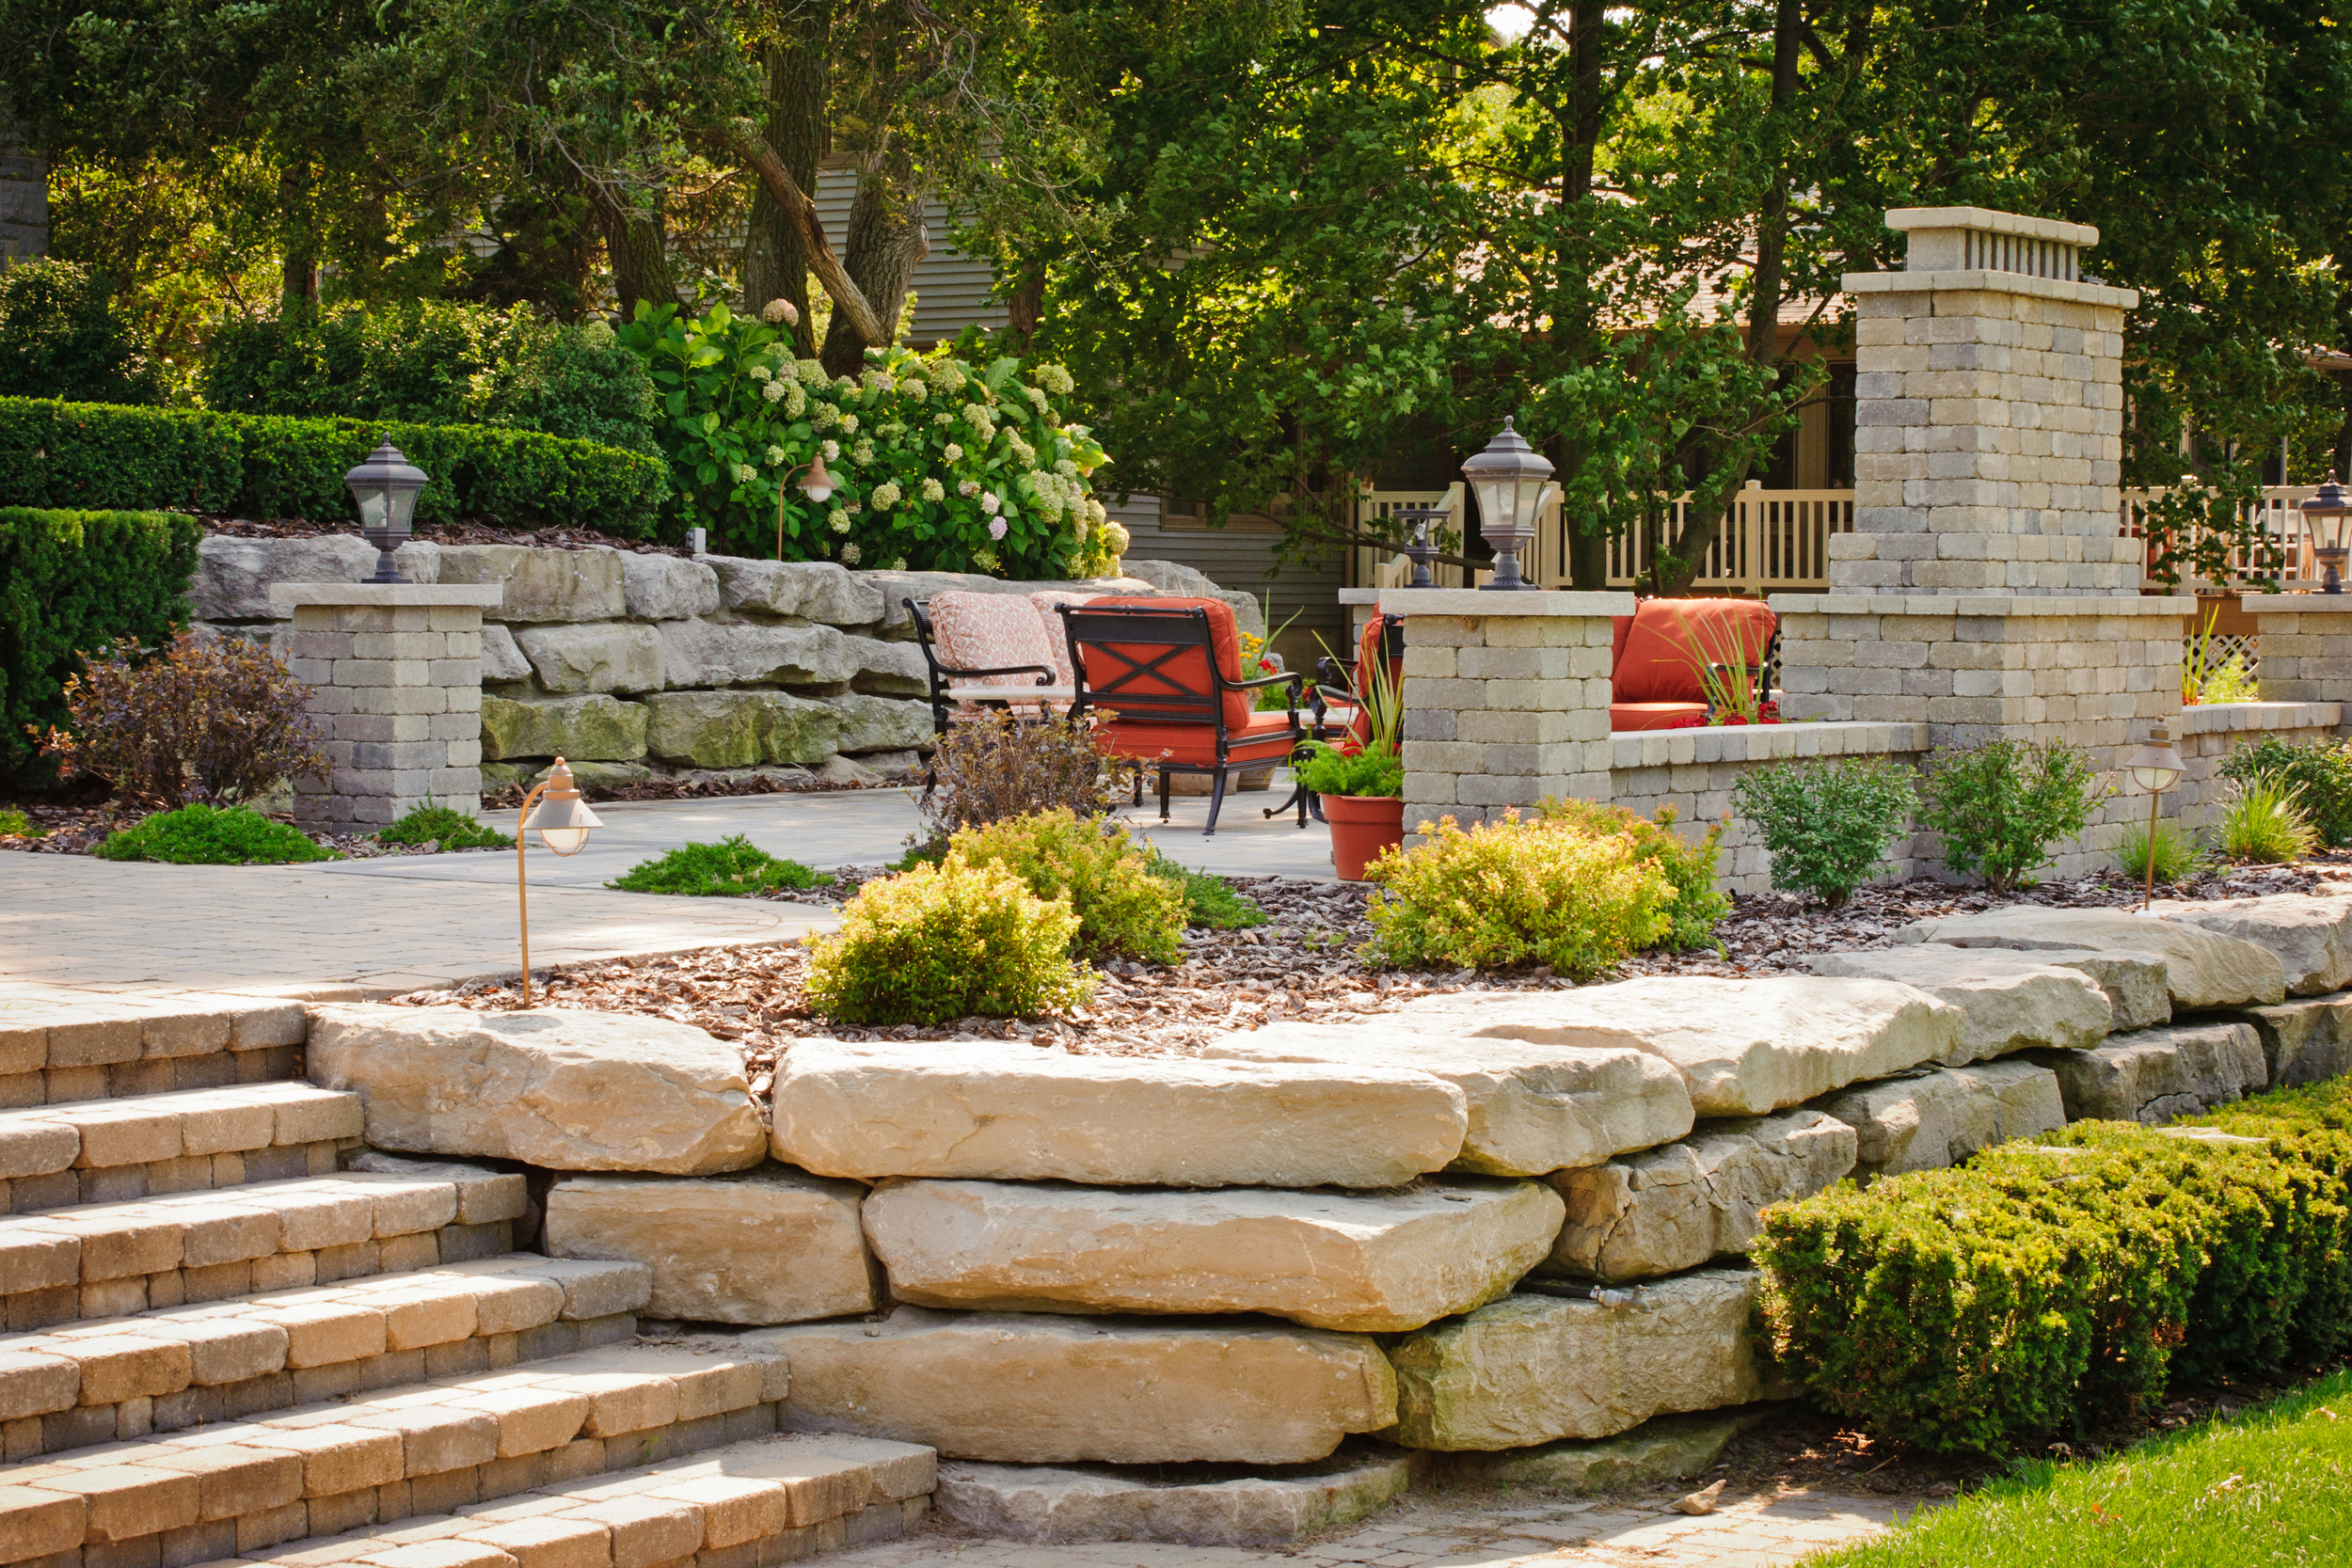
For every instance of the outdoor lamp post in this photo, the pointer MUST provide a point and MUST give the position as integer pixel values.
(1421, 551)
(2155, 767)
(2327, 511)
(816, 485)
(561, 819)
(1509, 479)
(385, 484)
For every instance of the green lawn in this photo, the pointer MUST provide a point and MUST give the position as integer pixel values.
(2272, 1486)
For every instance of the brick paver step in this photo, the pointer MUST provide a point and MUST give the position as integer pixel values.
(168, 1370)
(323, 1470)
(189, 1140)
(63, 1047)
(117, 1260)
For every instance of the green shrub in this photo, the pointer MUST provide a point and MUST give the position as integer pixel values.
(59, 338)
(2262, 820)
(2178, 857)
(1325, 769)
(203, 835)
(994, 767)
(2321, 770)
(1208, 900)
(72, 581)
(1089, 863)
(1827, 824)
(1690, 867)
(87, 455)
(732, 868)
(1517, 893)
(15, 824)
(215, 718)
(445, 826)
(1999, 805)
(946, 941)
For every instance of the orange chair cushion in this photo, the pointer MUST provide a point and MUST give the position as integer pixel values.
(1672, 641)
(1267, 738)
(989, 631)
(1186, 674)
(1652, 715)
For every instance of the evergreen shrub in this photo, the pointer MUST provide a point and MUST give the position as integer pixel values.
(205, 835)
(1091, 864)
(946, 941)
(1690, 867)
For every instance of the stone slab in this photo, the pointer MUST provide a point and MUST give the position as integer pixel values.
(2203, 969)
(2310, 933)
(2307, 1040)
(1933, 1121)
(1053, 1504)
(666, 587)
(1017, 1388)
(1006, 1111)
(1671, 1447)
(1534, 1108)
(2013, 1003)
(1676, 1208)
(767, 1246)
(1371, 1262)
(608, 657)
(539, 585)
(2156, 1075)
(565, 1091)
(1743, 1047)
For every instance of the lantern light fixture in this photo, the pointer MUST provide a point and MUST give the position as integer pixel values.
(2323, 518)
(385, 484)
(555, 811)
(1508, 477)
(2155, 767)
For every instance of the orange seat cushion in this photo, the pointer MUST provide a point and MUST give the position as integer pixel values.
(1267, 738)
(1186, 674)
(1672, 641)
(1652, 715)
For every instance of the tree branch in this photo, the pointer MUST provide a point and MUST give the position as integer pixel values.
(753, 150)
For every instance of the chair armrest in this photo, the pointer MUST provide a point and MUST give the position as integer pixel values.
(1044, 674)
(1252, 684)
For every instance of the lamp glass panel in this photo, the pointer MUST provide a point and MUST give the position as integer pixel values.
(1531, 491)
(401, 501)
(2155, 781)
(818, 493)
(565, 841)
(373, 513)
(1498, 503)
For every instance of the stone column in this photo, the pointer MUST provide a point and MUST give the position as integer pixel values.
(2306, 645)
(397, 669)
(1506, 699)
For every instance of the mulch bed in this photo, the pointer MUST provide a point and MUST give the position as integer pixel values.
(79, 829)
(443, 534)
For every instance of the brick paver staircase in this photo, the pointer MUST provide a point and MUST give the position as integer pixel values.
(233, 1332)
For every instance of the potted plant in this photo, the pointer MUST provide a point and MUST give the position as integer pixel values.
(1362, 783)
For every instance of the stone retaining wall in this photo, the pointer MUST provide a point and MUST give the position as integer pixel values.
(2206, 734)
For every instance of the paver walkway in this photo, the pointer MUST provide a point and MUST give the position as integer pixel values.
(1750, 1532)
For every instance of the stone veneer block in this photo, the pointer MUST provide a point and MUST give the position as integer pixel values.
(396, 670)
(2306, 645)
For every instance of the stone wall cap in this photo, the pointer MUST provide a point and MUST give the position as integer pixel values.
(1631, 749)
(486, 596)
(1980, 604)
(2233, 717)
(1479, 602)
(1360, 595)
(1988, 221)
(2295, 604)
(1981, 281)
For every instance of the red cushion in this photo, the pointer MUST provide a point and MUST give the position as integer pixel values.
(1673, 639)
(1267, 738)
(1620, 627)
(1652, 715)
(1185, 675)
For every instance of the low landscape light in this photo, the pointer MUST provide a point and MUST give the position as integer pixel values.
(816, 483)
(385, 484)
(2155, 767)
(1508, 477)
(556, 813)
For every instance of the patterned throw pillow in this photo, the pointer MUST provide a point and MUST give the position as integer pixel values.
(1045, 599)
(989, 631)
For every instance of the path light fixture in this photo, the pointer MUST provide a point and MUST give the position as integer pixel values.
(385, 484)
(2155, 767)
(816, 483)
(1509, 479)
(555, 812)
(2323, 518)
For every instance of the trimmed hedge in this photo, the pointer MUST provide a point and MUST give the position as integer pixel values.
(84, 454)
(2048, 1287)
(70, 581)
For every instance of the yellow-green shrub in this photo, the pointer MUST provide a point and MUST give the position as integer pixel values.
(1088, 863)
(1690, 867)
(946, 941)
(1508, 892)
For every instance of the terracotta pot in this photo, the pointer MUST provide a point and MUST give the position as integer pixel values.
(1362, 827)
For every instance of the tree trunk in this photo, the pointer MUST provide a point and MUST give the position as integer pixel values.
(1572, 320)
(1026, 312)
(633, 249)
(298, 288)
(775, 258)
(885, 239)
(744, 140)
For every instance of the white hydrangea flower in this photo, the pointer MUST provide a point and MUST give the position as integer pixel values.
(848, 422)
(833, 451)
(898, 563)
(827, 415)
(915, 389)
(1025, 452)
(996, 527)
(774, 390)
(1115, 535)
(951, 452)
(878, 381)
(862, 453)
(1055, 379)
(968, 487)
(795, 401)
(848, 555)
(943, 419)
(948, 376)
(780, 312)
(985, 559)
(992, 503)
(810, 372)
(974, 414)
(886, 495)
(1095, 511)
(1036, 397)
(775, 455)
(762, 372)
(839, 519)
(933, 490)
(1068, 470)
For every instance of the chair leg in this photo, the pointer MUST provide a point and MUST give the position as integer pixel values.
(1163, 794)
(1216, 800)
(1139, 783)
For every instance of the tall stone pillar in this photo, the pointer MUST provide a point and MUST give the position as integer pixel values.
(1987, 586)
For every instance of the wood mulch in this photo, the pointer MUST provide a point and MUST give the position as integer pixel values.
(441, 533)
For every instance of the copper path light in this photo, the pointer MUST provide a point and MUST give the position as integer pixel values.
(2155, 767)
(562, 820)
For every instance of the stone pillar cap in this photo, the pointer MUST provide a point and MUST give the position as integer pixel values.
(1478, 602)
(483, 595)
(1910, 220)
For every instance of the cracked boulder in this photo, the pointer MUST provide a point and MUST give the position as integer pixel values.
(2312, 933)
(2156, 1075)
(1932, 1120)
(2012, 1001)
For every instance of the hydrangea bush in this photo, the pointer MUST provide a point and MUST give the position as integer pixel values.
(939, 465)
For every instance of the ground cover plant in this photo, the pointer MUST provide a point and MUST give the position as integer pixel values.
(1208, 900)
(1999, 805)
(15, 824)
(734, 867)
(445, 826)
(217, 718)
(1827, 825)
(201, 834)
(946, 941)
(2321, 771)
(1091, 864)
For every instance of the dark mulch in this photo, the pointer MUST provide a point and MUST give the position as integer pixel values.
(440, 533)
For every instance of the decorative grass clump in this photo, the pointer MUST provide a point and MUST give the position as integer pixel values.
(201, 834)
(448, 827)
(731, 868)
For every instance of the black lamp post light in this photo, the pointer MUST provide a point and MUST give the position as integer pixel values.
(1509, 477)
(385, 484)
(2323, 515)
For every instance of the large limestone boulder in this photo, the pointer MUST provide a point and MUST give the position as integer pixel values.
(2312, 933)
(888, 669)
(710, 729)
(882, 723)
(1743, 1047)
(2159, 1074)
(1533, 1368)
(1006, 1111)
(502, 656)
(698, 653)
(1532, 1108)
(565, 1090)
(818, 591)
(1932, 1120)
(1179, 581)
(607, 656)
(233, 575)
(1374, 1262)
(1018, 1388)
(1675, 1207)
(1050, 1503)
(2010, 1002)
(543, 584)
(596, 727)
(1671, 1447)
(667, 587)
(2205, 969)
(2307, 1040)
(799, 729)
(766, 1245)
(2139, 987)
